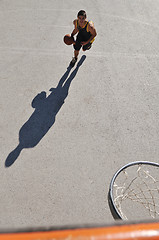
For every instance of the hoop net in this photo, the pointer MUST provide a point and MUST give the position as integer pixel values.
(136, 192)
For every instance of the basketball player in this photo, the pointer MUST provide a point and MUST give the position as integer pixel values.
(86, 35)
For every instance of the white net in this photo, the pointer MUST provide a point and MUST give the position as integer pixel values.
(136, 192)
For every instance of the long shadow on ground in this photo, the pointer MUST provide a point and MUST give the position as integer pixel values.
(44, 115)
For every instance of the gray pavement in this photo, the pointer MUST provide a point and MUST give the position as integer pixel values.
(105, 116)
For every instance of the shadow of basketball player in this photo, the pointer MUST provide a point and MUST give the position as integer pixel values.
(44, 115)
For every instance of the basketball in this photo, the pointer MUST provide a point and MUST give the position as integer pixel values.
(68, 39)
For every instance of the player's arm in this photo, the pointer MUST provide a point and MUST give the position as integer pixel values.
(75, 30)
(93, 32)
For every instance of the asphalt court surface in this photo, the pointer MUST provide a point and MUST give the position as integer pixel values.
(103, 114)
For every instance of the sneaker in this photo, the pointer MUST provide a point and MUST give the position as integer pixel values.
(74, 60)
(89, 47)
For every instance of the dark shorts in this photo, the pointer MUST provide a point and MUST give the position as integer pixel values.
(77, 46)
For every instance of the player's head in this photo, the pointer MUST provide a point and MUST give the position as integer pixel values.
(81, 16)
(82, 13)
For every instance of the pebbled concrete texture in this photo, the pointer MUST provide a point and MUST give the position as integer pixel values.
(67, 145)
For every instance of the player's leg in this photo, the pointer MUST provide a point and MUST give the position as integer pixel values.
(76, 53)
(77, 46)
(74, 59)
(87, 46)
